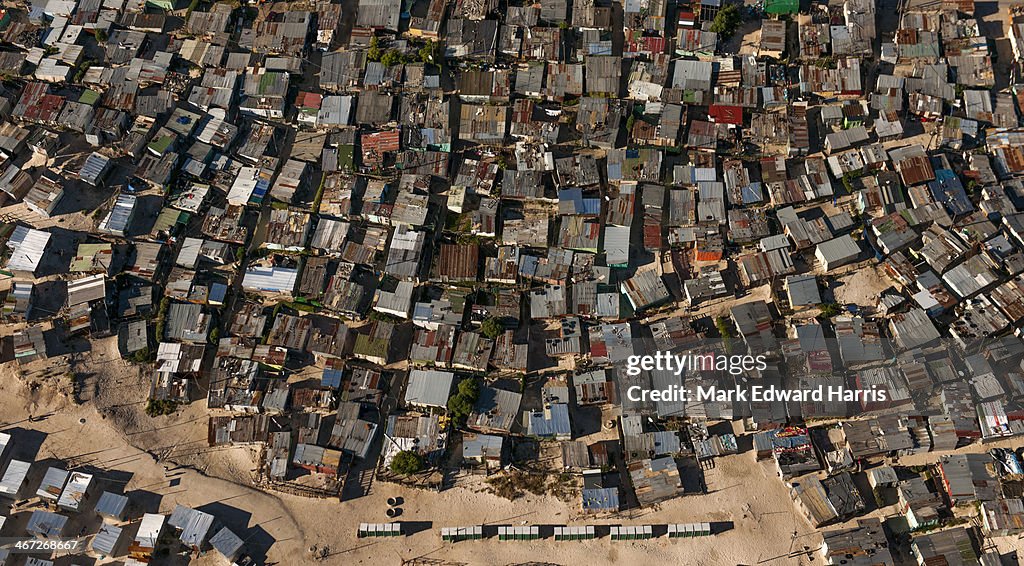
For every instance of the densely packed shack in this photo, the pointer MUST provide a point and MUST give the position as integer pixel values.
(394, 237)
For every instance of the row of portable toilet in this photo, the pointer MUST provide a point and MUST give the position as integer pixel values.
(575, 533)
(518, 533)
(455, 534)
(371, 530)
(686, 530)
(632, 533)
(562, 533)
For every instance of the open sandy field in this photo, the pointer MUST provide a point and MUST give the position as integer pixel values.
(165, 461)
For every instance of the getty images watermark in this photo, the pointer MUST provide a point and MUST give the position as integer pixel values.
(679, 365)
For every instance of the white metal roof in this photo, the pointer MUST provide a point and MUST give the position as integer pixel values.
(270, 279)
(616, 244)
(28, 246)
(74, 492)
(14, 477)
(52, 484)
(149, 530)
(87, 289)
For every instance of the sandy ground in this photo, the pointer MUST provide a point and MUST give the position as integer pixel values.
(861, 286)
(742, 493)
(109, 433)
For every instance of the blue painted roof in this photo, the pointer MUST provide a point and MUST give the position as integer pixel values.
(600, 499)
(948, 190)
(331, 378)
(752, 193)
(553, 421)
(262, 186)
(580, 204)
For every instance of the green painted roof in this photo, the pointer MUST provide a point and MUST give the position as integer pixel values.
(89, 97)
(782, 6)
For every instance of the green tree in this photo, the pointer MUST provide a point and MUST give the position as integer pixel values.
(373, 53)
(392, 57)
(215, 336)
(406, 462)
(461, 404)
(428, 53)
(470, 388)
(727, 21)
(722, 324)
(492, 328)
(829, 310)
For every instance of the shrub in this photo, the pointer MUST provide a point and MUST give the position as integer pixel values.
(492, 328)
(727, 21)
(722, 324)
(373, 53)
(161, 317)
(141, 356)
(392, 57)
(428, 53)
(157, 407)
(406, 462)
(461, 404)
(829, 310)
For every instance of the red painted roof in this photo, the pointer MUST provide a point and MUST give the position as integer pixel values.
(726, 114)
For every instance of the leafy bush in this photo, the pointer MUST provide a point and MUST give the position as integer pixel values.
(141, 356)
(374, 53)
(161, 317)
(157, 407)
(722, 324)
(392, 57)
(829, 310)
(406, 462)
(727, 21)
(492, 328)
(461, 404)
(428, 53)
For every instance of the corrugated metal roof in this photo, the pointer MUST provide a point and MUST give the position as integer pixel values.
(87, 289)
(94, 167)
(227, 543)
(149, 530)
(270, 278)
(46, 524)
(52, 484)
(194, 525)
(111, 505)
(120, 216)
(14, 477)
(600, 499)
(552, 421)
(495, 409)
(106, 539)
(429, 388)
(616, 245)
(841, 249)
(28, 246)
(482, 446)
(75, 490)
